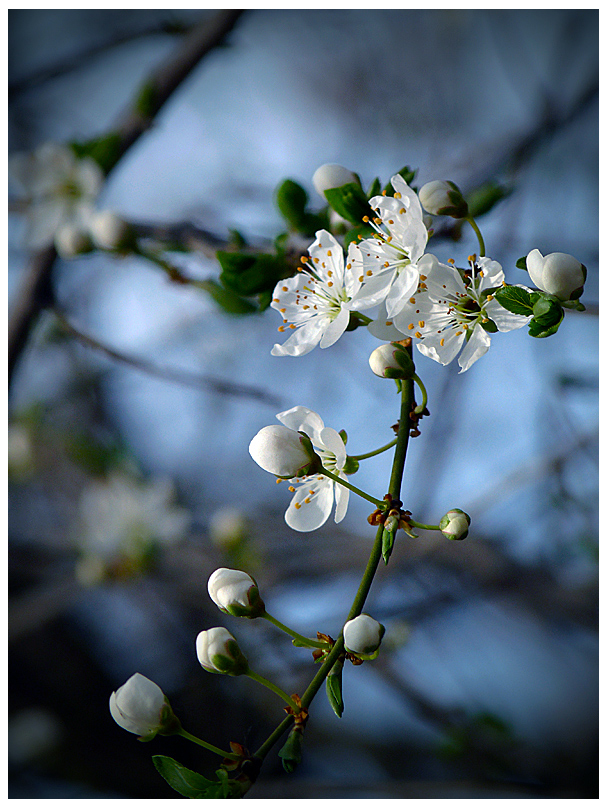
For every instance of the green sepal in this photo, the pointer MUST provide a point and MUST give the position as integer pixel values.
(522, 263)
(191, 784)
(387, 544)
(482, 199)
(104, 150)
(490, 326)
(349, 201)
(516, 299)
(344, 436)
(229, 300)
(248, 274)
(290, 753)
(334, 688)
(351, 466)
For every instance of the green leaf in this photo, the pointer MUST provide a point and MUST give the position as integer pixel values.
(482, 199)
(186, 782)
(547, 316)
(352, 235)
(104, 150)
(290, 753)
(334, 689)
(408, 174)
(349, 201)
(375, 188)
(248, 274)
(522, 263)
(292, 199)
(387, 544)
(230, 301)
(516, 299)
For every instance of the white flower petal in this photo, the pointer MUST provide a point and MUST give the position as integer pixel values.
(302, 419)
(310, 515)
(303, 340)
(336, 328)
(477, 346)
(504, 319)
(404, 286)
(444, 353)
(342, 496)
(332, 442)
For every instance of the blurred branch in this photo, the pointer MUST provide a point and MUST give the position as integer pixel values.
(69, 65)
(182, 377)
(35, 293)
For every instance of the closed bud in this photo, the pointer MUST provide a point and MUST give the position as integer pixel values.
(558, 273)
(330, 176)
(362, 636)
(454, 524)
(140, 706)
(218, 652)
(72, 240)
(391, 361)
(284, 452)
(443, 198)
(111, 232)
(236, 593)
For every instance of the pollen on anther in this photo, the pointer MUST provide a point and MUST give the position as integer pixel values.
(297, 505)
(369, 273)
(285, 288)
(281, 328)
(384, 193)
(390, 221)
(311, 492)
(410, 326)
(307, 500)
(329, 253)
(330, 273)
(412, 300)
(490, 297)
(418, 334)
(398, 195)
(386, 264)
(361, 278)
(282, 310)
(421, 323)
(278, 481)
(389, 322)
(292, 327)
(442, 342)
(304, 259)
(366, 219)
(423, 277)
(292, 488)
(402, 210)
(451, 261)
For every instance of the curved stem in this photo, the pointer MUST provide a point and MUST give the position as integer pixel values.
(398, 466)
(208, 746)
(303, 639)
(481, 243)
(419, 409)
(373, 453)
(419, 526)
(354, 489)
(275, 689)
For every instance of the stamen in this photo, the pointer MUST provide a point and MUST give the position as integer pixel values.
(278, 481)
(398, 195)
(329, 253)
(291, 488)
(297, 505)
(418, 334)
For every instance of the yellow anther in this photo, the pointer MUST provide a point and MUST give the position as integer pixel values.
(291, 488)
(285, 288)
(292, 327)
(305, 308)
(451, 261)
(389, 322)
(329, 253)
(418, 334)
(282, 310)
(410, 326)
(398, 195)
(421, 323)
(423, 277)
(307, 500)
(384, 193)
(412, 300)
(366, 219)
(304, 259)
(369, 273)
(278, 481)
(386, 264)
(390, 221)
(281, 328)
(330, 283)
(361, 278)
(297, 505)
(330, 273)
(490, 297)
(348, 266)
(402, 210)
(442, 342)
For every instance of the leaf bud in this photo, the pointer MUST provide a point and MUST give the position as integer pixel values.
(110, 231)
(71, 240)
(140, 706)
(443, 198)
(454, 524)
(290, 753)
(284, 452)
(559, 274)
(218, 652)
(392, 361)
(330, 176)
(236, 593)
(362, 636)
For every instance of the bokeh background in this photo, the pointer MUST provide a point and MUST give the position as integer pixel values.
(487, 683)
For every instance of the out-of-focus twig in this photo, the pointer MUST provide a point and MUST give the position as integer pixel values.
(35, 293)
(217, 385)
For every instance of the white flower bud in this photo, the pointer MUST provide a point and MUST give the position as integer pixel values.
(236, 593)
(442, 198)
(391, 361)
(283, 452)
(218, 652)
(111, 232)
(330, 176)
(363, 635)
(140, 706)
(72, 240)
(558, 274)
(454, 524)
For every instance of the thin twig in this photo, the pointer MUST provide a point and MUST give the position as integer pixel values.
(183, 377)
(35, 293)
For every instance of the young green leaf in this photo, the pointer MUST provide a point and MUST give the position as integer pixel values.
(186, 782)
(516, 299)
(349, 201)
(334, 688)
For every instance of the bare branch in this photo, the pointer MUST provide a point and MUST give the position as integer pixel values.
(211, 383)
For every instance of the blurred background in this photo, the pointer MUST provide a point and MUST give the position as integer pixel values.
(129, 475)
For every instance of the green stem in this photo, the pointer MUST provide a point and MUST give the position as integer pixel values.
(354, 489)
(398, 466)
(374, 453)
(419, 409)
(363, 318)
(208, 746)
(481, 243)
(275, 689)
(303, 639)
(419, 526)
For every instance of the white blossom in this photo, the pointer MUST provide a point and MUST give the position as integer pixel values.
(559, 274)
(450, 312)
(363, 635)
(389, 263)
(330, 176)
(218, 652)
(454, 524)
(139, 706)
(110, 231)
(315, 304)
(58, 188)
(315, 494)
(282, 451)
(235, 592)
